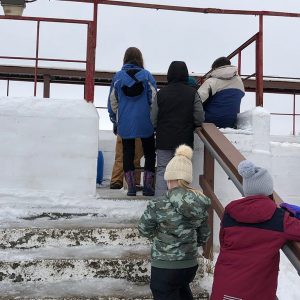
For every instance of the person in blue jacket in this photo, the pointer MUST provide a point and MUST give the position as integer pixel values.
(131, 94)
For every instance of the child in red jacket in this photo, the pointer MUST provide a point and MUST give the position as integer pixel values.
(253, 230)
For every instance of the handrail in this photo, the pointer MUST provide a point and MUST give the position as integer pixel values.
(218, 147)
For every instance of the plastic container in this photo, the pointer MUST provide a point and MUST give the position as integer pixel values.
(100, 165)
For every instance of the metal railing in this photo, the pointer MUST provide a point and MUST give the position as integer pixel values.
(89, 62)
(218, 147)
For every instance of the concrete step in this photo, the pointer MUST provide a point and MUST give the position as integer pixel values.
(93, 289)
(97, 213)
(77, 263)
(26, 238)
(56, 211)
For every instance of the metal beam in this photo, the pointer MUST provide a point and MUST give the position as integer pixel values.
(192, 9)
(278, 85)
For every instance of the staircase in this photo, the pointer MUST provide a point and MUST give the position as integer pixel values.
(87, 250)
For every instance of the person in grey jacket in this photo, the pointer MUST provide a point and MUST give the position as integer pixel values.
(175, 113)
(222, 93)
(177, 225)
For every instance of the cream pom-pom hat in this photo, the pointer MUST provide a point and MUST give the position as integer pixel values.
(180, 166)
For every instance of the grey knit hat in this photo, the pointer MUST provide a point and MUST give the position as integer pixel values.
(256, 180)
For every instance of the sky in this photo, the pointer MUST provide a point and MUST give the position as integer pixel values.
(162, 36)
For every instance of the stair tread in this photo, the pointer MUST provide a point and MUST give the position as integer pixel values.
(84, 289)
(76, 253)
(90, 226)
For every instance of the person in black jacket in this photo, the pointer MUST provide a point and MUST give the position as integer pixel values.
(175, 113)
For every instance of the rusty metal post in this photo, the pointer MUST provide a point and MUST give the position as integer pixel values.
(209, 175)
(47, 79)
(259, 65)
(36, 56)
(91, 57)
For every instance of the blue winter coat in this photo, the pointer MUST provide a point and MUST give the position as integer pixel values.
(131, 95)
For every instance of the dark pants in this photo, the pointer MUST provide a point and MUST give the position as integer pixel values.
(172, 284)
(149, 154)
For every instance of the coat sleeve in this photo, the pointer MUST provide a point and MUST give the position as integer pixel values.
(205, 91)
(112, 103)
(291, 228)
(152, 89)
(154, 112)
(203, 233)
(148, 222)
(198, 111)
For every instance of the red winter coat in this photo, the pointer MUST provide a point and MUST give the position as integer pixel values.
(253, 230)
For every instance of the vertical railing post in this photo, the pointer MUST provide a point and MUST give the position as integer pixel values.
(259, 65)
(46, 93)
(7, 88)
(36, 56)
(209, 176)
(294, 115)
(91, 57)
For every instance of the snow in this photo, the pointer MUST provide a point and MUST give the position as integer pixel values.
(15, 206)
(84, 288)
(48, 137)
(85, 252)
(48, 145)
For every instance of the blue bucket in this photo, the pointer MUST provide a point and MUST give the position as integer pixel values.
(100, 163)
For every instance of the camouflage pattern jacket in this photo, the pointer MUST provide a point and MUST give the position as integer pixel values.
(177, 225)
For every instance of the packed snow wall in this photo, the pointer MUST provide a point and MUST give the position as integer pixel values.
(48, 145)
(253, 140)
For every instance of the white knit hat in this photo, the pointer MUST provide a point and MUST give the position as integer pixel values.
(180, 166)
(256, 180)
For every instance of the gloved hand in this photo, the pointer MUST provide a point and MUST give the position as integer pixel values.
(115, 129)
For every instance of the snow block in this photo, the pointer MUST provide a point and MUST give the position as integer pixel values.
(48, 145)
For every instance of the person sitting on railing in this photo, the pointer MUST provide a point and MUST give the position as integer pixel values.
(175, 113)
(221, 94)
(253, 230)
(177, 225)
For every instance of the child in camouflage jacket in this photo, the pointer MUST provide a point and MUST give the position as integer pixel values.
(177, 225)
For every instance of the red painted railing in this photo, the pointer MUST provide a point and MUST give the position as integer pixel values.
(90, 52)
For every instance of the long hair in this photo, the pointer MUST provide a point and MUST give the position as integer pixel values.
(134, 56)
(183, 184)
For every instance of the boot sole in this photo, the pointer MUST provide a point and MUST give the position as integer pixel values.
(131, 194)
(146, 194)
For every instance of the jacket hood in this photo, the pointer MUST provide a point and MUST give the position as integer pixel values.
(188, 203)
(131, 66)
(252, 209)
(226, 72)
(178, 72)
(130, 70)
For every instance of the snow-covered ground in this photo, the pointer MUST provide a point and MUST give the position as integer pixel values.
(39, 139)
(16, 206)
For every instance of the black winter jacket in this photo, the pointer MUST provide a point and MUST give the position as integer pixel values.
(177, 110)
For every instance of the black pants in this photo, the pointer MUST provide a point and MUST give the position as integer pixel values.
(149, 153)
(172, 284)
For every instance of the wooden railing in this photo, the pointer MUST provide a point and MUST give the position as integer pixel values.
(218, 147)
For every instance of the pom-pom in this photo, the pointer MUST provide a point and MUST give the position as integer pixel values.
(184, 150)
(246, 168)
